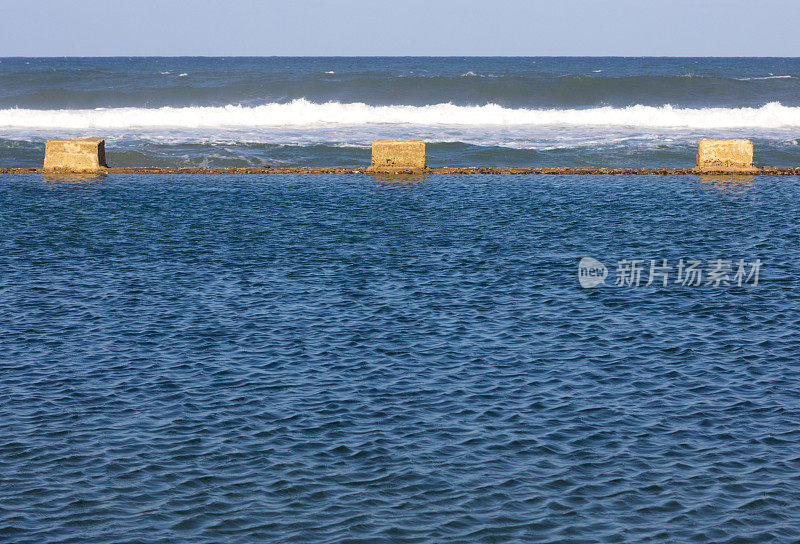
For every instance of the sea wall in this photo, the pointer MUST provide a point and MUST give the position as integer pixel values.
(402, 157)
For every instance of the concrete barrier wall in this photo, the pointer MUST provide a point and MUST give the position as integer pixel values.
(75, 155)
(725, 155)
(392, 156)
(87, 155)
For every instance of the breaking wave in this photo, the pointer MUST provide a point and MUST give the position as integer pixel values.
(301, 112)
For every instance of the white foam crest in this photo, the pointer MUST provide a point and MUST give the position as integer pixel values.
(301, 112)
(761, 78)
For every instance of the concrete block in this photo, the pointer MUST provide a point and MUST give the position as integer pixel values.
(725, 155)
(394, 156)
(75, 155)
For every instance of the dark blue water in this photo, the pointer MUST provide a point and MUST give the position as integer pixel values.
(342, 359)
(521, 82)
(526, 111)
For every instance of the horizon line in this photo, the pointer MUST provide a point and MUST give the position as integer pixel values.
(404, 56)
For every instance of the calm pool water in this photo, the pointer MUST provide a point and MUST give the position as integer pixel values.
(345, 359)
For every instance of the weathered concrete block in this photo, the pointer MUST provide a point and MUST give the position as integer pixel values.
(75, 155)
(725, 155)
(397, 155)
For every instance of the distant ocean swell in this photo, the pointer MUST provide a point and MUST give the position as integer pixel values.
(66, 90)
(302, 112)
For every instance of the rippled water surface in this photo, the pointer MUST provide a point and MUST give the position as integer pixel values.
(348, 359)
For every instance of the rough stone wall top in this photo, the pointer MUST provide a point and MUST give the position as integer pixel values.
(725, 155)
(75, 155)
(397, 155)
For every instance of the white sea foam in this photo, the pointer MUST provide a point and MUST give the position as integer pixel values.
(765, 77)
(301, 113)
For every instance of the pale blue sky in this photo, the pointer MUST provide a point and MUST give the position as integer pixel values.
(400, 27)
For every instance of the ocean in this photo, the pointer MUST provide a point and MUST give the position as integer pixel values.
(620, 112)
(440, 358)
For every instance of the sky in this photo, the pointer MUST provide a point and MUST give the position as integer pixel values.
(400, 27)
